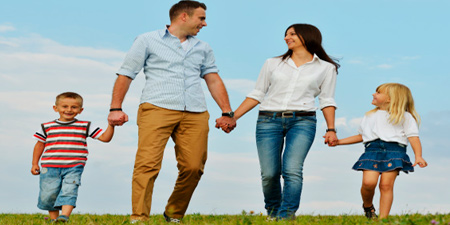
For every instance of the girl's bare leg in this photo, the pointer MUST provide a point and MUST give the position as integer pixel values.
(387, 192)
(369, 183)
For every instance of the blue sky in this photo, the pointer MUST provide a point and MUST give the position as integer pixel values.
(47, 47)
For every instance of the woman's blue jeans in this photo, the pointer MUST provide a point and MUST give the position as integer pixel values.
(297, 135)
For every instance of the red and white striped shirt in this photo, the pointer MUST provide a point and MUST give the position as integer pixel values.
(65, 142)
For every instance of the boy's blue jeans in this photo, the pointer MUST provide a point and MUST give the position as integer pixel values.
(58, 187)
(272, 133)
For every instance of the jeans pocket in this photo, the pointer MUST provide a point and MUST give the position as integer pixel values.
(263, 119)
(309, 118)
(70, 186)
(72, 180)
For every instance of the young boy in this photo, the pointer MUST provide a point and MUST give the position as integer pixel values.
(62, 145)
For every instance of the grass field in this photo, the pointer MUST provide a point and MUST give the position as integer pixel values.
(243, 219)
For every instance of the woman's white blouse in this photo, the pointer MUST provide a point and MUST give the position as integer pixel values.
(377, 126)
(282, 86)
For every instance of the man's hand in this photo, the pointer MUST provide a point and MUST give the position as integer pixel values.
(117, 118)
(226, 123)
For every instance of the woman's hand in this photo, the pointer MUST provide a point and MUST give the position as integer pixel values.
(331, 138)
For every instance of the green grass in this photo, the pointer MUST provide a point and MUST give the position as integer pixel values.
(243, 219)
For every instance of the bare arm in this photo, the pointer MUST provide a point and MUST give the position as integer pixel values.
(37, 152)
(329, 115)
(108, 134)
(417, 148)
(120, 90)
(247, 105)
(350, 140)
(218, 91)
(220, 95)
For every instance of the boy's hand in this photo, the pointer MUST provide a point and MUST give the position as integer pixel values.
(421, 162)
(35, 170)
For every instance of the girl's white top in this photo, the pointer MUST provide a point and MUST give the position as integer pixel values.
(283, 86)
(376, 126)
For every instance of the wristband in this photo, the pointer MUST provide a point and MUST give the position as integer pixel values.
(115, 109)
(332, 129)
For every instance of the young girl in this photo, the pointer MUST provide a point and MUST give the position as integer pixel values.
(385, 132)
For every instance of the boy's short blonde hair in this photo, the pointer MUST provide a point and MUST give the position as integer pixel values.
(69, 95)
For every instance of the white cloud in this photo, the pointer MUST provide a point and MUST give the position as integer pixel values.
(409, 58)
(355, 122)
(373, 61)
(355, 61)
(34, 63)
(5, 28)
(35, 43)
(242, 86)
(9, 43)
(385, 66)
(342, 121)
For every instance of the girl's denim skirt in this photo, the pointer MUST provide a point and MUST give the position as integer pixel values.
(382, 156)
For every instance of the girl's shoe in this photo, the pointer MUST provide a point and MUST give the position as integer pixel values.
(370, 212)
(62, 219)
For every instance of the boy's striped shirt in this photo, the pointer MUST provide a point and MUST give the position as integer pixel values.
(65, 143)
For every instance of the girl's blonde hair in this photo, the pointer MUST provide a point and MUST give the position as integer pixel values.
(401, 101)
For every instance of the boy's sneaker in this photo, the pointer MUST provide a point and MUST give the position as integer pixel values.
(271, 219)
(370, 212)
(171, 220)
(62, 219)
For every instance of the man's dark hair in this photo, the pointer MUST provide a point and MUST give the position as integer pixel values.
(185, 6)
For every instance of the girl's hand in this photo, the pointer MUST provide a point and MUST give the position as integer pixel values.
(333, 143)
(421, 162)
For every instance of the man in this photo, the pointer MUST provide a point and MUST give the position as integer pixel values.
(172, 105)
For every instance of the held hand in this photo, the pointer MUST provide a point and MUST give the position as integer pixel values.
(117, 118)
(331, 139)
(226, 123)
(331, 144)
(421, 162)
(35, 170)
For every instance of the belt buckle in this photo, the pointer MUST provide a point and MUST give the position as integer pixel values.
(284, 114)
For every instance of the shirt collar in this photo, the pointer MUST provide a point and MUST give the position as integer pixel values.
(165, 33)
(315, 58)
(291, 62)
(65, 123)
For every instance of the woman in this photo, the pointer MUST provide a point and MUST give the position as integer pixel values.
(286, 88)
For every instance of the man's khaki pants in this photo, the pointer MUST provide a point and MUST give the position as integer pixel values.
(189, 131)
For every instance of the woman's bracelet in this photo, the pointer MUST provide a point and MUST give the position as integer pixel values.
(115, 109)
